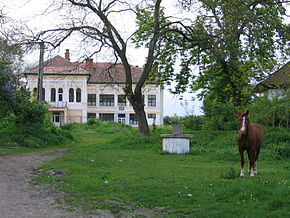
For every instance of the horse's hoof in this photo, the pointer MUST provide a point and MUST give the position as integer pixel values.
(241, 176)
(251, 177)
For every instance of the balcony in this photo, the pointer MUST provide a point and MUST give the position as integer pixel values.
(59, 104)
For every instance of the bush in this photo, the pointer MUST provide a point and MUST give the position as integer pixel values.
(193, 122)
(166, 120)
(94, 122)
(269, 112)
(70, 126)
(33, 136)
(219, 116)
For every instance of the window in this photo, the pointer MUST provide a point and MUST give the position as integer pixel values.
(71, 95)
(78, 95)
(106, 100)
(121, 118)
(91, 115)
(92, 99)
(121, 100)
(106, 117)
(60, 93)
(55, 117)
(151, 116)
(152, 100)
(133, 119)
(52, 94)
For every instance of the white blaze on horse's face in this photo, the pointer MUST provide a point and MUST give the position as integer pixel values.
(243, 129)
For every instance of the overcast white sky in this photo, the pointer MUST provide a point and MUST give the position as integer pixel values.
(30, 11)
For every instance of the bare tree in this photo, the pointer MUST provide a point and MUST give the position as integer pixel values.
(94, 21)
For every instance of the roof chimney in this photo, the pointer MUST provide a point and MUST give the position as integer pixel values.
(89, 64)
(67, 54)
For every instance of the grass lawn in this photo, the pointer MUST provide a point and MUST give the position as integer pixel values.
(112, 168)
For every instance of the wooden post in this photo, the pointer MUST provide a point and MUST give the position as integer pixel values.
(40, 73)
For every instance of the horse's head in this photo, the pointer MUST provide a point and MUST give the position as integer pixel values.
(244, 121)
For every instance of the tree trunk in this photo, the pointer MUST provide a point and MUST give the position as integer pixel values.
(136, 100)
(142, 122)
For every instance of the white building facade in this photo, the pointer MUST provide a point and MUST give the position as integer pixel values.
(76, 92)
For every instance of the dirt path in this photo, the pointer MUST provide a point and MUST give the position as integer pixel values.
(19, 198)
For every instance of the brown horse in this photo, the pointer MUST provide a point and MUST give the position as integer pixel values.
(250, 138)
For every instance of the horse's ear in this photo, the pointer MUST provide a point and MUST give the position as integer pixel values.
(239, 113)
(247, 112)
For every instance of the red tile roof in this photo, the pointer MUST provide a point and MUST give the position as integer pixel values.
(59, 65)
(104, 72)
(100, 72)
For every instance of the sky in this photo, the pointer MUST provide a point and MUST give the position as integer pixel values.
(30, 11)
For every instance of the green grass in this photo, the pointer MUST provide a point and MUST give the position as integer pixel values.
(113, 168)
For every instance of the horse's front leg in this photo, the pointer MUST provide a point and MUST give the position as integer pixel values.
(242, 163)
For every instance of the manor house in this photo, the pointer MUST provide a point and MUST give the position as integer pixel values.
(77, 91)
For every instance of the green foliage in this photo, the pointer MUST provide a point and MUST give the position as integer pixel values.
(270, 112)
(10, 54)
(8, 86)
(27, 123)
(31, 113)
(166, 120)
(33, 136)
(94, 121)
(10, 67)
(232, 42)
(193, 122)
(219, 115)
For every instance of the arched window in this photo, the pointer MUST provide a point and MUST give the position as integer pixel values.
(52, 95)
(78, 95)
(60, 93)
(71, 95)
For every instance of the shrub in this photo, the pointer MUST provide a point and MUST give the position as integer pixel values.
(33, 136)
(94, 122)
(219, 115)
(269, 112)
(193, 122)
(166, 120)
(32, 113)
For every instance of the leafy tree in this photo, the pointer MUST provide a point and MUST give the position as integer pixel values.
(7, 88)
(232, 41)
(95, 22)
(10, 68)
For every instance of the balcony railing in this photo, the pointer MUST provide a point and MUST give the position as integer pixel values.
(59, 104)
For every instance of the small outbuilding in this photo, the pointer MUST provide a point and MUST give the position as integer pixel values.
(275, 84)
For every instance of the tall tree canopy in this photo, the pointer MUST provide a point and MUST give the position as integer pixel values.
(232, 41)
